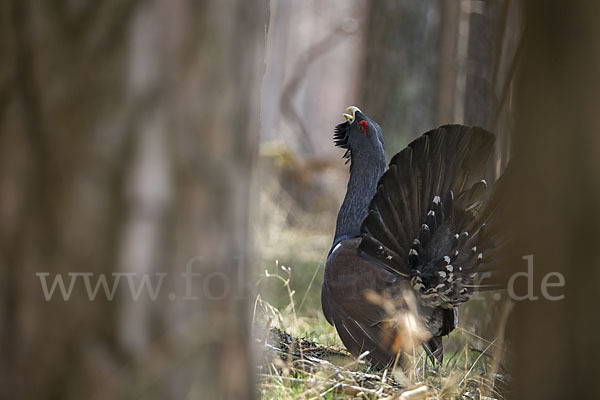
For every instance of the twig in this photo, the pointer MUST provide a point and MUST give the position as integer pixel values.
(475, 363)
(310, 284)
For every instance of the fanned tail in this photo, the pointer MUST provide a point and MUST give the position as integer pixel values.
(433, 220)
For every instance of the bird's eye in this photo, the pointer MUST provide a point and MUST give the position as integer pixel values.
(363, 127)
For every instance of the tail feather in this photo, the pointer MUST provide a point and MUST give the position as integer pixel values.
(399, 202)
(433, 220)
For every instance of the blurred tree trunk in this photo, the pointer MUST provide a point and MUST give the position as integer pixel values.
(479, 33)
(556, 145)
(128, 132)
(447, 66)
(477, 46)
(398, 84)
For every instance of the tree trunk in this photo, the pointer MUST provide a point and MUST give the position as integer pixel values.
(398, 83)
(557, 166)
(128, 133)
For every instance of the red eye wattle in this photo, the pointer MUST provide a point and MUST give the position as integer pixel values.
(363, 125)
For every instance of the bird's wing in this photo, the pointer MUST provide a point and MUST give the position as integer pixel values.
(359, 321)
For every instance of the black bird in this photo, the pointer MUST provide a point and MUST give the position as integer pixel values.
(411, 243)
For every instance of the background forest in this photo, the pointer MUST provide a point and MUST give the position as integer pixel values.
(186, 147)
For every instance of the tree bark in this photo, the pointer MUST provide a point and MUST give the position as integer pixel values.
(128, 136)
(556, 146)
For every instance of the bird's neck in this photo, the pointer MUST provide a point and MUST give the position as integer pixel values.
(365, 171)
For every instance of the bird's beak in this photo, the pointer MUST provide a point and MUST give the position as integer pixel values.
(350, 117)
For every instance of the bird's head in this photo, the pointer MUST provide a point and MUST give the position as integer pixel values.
(359, 135)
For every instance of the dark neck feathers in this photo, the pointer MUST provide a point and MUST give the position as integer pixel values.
(365, 171)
